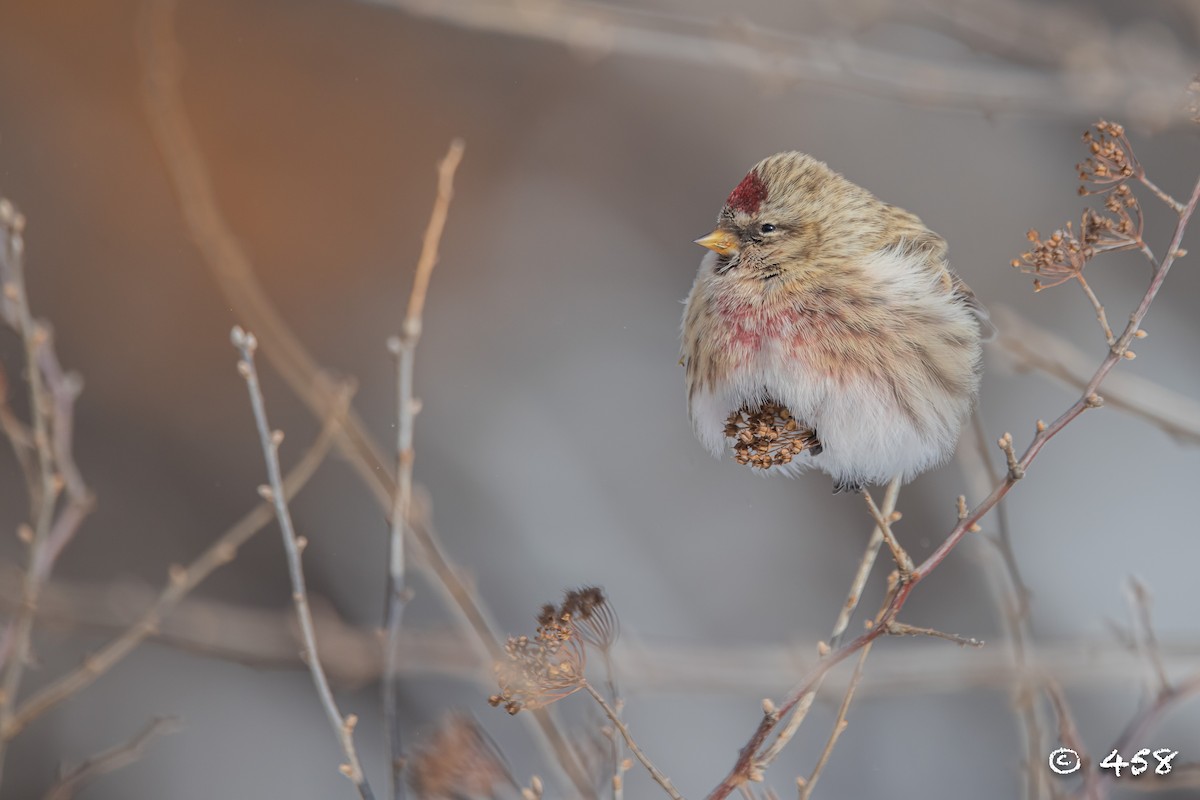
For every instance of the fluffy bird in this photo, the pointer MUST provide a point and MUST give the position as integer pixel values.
(838, 312)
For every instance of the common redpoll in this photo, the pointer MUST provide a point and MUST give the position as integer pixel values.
(826, 329)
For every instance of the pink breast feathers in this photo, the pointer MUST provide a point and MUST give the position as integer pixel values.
(749, 195)
(750, 328)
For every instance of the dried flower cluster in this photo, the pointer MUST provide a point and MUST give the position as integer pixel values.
(548, 667)
(458, 761)
(768, 436)
(1062, 256)
(1121, 229)
(590, 613)
(1055, 260)
(1110, 161)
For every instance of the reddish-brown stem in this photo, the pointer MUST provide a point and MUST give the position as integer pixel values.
(744, 766)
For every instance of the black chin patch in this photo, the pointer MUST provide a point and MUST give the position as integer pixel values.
(725, 263)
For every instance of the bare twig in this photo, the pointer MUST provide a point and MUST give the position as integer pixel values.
(45, 496)
(275, 492)
(1101, 316)
(661, 779)
(1144, 637)
(1174, 204)
(884, 523)
(181, 581)
(745, 766)
(46, 459)
(839, 725)
(110, 760)
(404, 349)
(901, 629)
(19, 436)
(1068, 734)
(1013, 599)
(890, 497)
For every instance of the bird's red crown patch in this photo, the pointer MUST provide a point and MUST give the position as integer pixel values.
(749, 194)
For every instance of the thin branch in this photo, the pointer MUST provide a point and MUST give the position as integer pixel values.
(839, 725)
(745, 764)
(619, 762)
(343, 727)
(890, 497)
(661, 779)
(1174, 204)
(110, 760)
(1014, 604)
(1068, 734)
(404, 348)
(884, 523)
(1101, 317)
(20, 437)
(1144, 637)
(47, 461)
(180, 582)
(44, 499)
(901, 629)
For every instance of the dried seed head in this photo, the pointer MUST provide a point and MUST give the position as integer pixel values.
(1120, 229)
(536, 672)
(593, 616)
(1057, 259)
(457, 761)
(1110, 161)
(768, 436)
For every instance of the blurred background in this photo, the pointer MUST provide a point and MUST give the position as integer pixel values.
(601, 139)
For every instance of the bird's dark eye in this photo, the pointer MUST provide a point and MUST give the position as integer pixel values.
(767, 227)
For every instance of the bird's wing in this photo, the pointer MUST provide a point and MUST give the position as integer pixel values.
(907, 232)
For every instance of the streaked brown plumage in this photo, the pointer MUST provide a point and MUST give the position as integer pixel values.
(842, 308)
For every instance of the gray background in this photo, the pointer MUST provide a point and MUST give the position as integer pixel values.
(554, 438)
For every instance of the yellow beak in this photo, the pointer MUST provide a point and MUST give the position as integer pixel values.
(719, 241)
